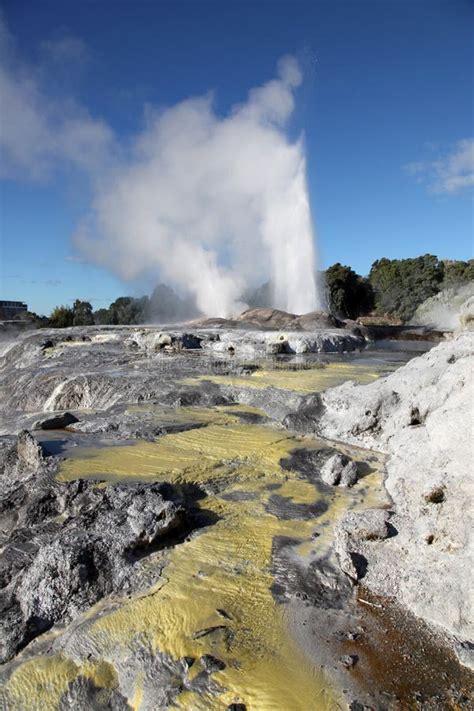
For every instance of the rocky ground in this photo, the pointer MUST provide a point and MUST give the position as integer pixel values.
(50, 370)
(421, 416)
(192, 517)
(66, 546)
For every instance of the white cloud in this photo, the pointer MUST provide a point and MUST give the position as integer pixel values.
(451, 173)
(39, 133)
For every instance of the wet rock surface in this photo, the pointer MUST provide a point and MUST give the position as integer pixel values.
(59, 422)
(121, 591)
(65, 546)
(91, 367)
(326, 467)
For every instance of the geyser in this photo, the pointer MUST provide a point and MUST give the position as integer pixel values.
(212, 203)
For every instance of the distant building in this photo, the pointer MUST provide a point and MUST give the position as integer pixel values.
(10, 309)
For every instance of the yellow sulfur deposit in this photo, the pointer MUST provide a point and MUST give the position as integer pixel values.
(221, 577)
(303, 381)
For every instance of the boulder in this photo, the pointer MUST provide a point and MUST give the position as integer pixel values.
(162, 340)
(349, 660)
(277, 319)
(29, 451)
(67, 545)
(353, 529)
(366, 525)
(58, 422)
(339, 470)
(278, 345)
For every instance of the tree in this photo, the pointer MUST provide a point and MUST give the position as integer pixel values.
(102, 317)
(61, 317)
(400, 285)
(127, 310)
(349, 295)
(82, 313)
(458, 272)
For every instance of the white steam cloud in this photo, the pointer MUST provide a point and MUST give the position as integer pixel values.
(211, 204)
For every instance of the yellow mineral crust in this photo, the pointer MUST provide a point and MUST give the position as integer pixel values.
(303, 381)
(38, 684)
(226, 566)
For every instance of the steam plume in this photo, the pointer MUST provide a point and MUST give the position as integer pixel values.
(213, 203)
(209, 204)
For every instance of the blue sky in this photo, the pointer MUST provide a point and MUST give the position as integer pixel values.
(385, 108)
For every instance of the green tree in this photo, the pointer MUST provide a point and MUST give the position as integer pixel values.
(458, 272)
(82, 313)
(61, 317)
(349, 295)
(400, 285)
(102, 317)
(127, 310)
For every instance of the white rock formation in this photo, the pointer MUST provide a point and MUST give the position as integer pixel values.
(422, 416)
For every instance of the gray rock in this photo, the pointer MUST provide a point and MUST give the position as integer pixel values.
(366, 525)
(349, 660)
(465, 654)
(352, 529)
(163, 339)
(67, 545)
(343, 550)
(212, 664)
(278, 345)
(58, 422)
(339, 470)
(349, 475)
(30, 453)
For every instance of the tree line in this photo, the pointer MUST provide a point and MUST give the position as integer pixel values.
(393, 289)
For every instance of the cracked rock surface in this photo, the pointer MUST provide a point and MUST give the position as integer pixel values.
(65, 546)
